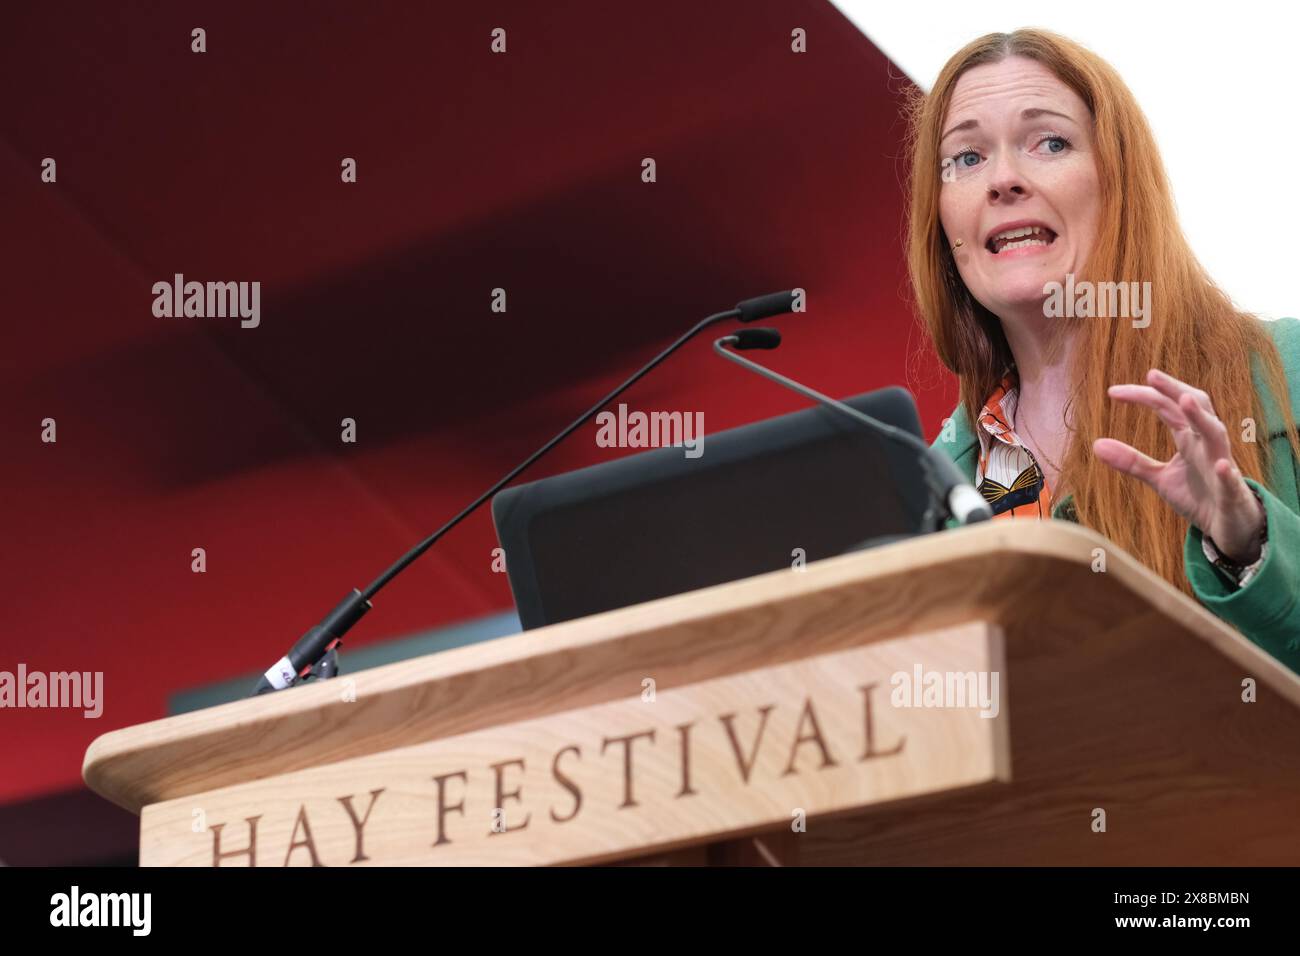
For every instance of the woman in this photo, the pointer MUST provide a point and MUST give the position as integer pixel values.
(1104, 377)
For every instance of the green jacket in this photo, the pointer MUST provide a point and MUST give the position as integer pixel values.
(1267, 609)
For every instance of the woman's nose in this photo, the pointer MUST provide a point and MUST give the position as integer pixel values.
(1005, 180)
(1010, 187)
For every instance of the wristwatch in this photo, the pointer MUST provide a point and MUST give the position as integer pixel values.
(1239, 574)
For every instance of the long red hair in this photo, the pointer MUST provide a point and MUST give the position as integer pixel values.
(1195, 333)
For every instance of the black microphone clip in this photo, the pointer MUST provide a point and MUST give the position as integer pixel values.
(315, 655)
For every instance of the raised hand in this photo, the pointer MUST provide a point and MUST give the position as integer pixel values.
(1201, 482)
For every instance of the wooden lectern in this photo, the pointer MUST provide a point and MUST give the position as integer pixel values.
(1018, 692)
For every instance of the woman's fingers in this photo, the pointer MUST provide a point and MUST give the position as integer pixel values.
(1234, 493)
(1128, 459)
(1167, 408)
(1238, 517)
(1207, 425)
(1207, 484)
(1175, 389)
(1186, 411)
(1226, 484)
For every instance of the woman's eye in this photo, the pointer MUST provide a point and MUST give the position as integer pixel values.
(1055, 144)
(966, 159)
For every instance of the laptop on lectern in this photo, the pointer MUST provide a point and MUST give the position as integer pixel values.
(656, 523)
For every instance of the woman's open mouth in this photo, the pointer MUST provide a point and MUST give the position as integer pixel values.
(1024, 237)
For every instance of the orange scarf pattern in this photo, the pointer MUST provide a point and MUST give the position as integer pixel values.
(1007, 475)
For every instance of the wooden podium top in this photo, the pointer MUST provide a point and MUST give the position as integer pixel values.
(1119, 694)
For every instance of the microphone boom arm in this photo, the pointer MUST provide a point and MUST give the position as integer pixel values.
(323, 639)
(950, 492)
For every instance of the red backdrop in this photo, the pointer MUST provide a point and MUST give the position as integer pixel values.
(475, 171)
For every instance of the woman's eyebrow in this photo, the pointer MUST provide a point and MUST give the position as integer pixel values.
(1032, 113)
(1035, 112)
(969, 124)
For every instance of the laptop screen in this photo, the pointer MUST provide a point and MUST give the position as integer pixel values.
(812, 483)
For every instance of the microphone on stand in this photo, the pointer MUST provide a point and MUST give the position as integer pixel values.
(951, 495)
(315, 653)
